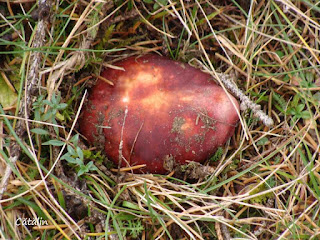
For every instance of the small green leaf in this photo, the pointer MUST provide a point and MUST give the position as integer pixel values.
(56, 143)
(131, 205)
(78, 162)
(7, 96)
(83, 169)
(71, 150)
(125, 217)
(263, 141)
(309, 77)
(299, 108)
(59, 116)
(47, 116)
(39, 131)
(91, 166)
(54, 100)
(68, 158)
(291, 111)
(46, 101)
(62, 106)
(295, 100)
(80, 153)
(75, 139)
(305, 115)
(316, 96)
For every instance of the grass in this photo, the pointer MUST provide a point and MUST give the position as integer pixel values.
(265, 181)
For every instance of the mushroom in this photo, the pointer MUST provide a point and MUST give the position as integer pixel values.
(157, 109)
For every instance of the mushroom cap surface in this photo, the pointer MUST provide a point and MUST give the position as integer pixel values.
(160, 109)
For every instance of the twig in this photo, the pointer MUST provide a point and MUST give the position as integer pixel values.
(225, 231)
(222, 229)
(134, 141)
(30, 92)
(121, 140)
(245, 100)
(217, 226)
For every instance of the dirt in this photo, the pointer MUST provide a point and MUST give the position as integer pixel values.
(169, 163)
(209, 123)
(99, 137)
(115, 114)
(194, 170)
(177, 124)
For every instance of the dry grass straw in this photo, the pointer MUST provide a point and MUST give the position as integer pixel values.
(265, 185)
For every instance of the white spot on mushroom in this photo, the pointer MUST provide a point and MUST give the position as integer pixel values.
(125, 99)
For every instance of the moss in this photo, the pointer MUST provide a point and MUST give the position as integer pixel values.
(262, 199)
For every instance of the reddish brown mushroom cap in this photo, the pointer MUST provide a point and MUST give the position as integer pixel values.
(173, 110)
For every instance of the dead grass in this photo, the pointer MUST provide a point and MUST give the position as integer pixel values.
(265, 184)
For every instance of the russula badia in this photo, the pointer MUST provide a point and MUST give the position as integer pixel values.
(160, 109)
